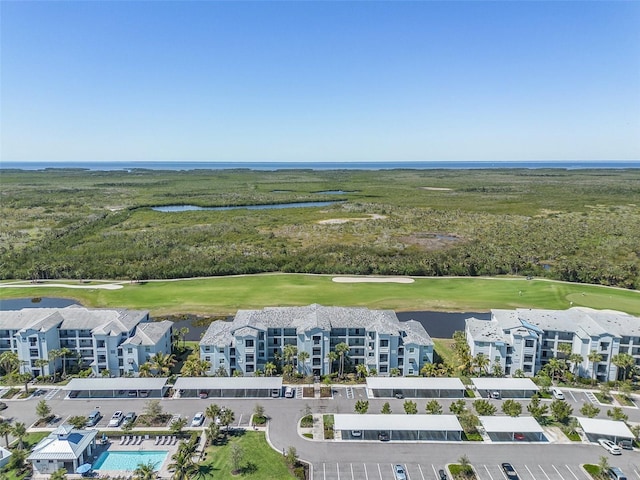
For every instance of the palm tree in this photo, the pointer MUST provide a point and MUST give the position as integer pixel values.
(332, 357)
(163, 363)
(9, 362)
(19, 431)
(182, 466)
(594, 357)
(429, 370)
(145, 370)
(5, 430)
(212, 411)
(302, 358)
(145, 471)
(289, 353)
(481, 362)
(270, 368)
(195, 367)
(623, 361)
(341, 349)
(576, 360)
(361, 370)
(565, 350)
(183, 332)
(41, 363)
(554, 367)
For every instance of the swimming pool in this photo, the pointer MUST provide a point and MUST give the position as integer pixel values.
(129, 461)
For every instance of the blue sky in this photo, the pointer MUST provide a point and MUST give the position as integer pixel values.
(319, 81)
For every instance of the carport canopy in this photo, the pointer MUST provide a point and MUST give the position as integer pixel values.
(595, 428)
(447, 424)
(503, 426)
(516, 387)
(109, 386)
(418, 387)
(229, 386)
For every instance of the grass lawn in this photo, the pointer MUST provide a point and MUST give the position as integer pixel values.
(225, 295)
(266, 463)
(443, 348)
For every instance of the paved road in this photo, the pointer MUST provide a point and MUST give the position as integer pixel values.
(366, 460)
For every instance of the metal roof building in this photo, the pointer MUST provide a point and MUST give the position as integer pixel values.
(509, 429)
(398, 427)
(595, 428)
(507, 387)
(415, 387)
(65, 447)
(227, 387)
(116, 387)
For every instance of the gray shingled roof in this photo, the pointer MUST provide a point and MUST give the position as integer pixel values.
(313, 316)
(483, 330)
(149, 333)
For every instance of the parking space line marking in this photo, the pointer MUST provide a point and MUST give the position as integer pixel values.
(240, 420)
(338, 470)
(324, 471)
(558, 471)
(574, 398)
(365, 471)
(406, 471)
(636, 472)
(434, 471)
(545, 473)
(351, 465)
(532, 476)
(488, 473)
(571, 472)
(379, 471)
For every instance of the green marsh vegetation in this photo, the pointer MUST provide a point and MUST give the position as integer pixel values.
(579, 226)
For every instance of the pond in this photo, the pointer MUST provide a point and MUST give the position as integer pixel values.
(274, 206)
(437, 324)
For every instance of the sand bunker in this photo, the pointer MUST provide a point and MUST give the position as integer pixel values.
(335, 221)
(106, 286)
(372, 280)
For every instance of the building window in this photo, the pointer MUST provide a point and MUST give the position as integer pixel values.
(129, 350)
(528, 358)
(316, 351)
(604, 346)
(384, 343)
(316, 340)
(316, 362)
(526, 368)
(411, 349)
(250, 358)
(384, 369)
(248, 343)
(384, 357)
(249, 369)
(496, 358)
(528, 343)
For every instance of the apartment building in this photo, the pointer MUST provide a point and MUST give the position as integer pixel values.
(116, 340)
(376, 338)
(526, 339)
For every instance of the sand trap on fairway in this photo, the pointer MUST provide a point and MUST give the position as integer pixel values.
(106, 286)
(372, 280)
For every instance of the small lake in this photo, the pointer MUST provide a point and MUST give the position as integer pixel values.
(437, 324)
(274, 206)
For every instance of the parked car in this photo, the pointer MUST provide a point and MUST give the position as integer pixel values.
(398, 394)
(198, 418)
(275, 393)
(203, 394)
(383, 436)
(609, 446)
(129, 417)
(518, 436)
(509, 471)
(144, 393)
(133, 393)
(557, 394)
(442, 475)
(116, 418)
(93, 418)
(495, 395)
(616, 474)
(73, 393)
(399, 472)
(356, 433)
(626, 444)
(3, 405)
(289, 392)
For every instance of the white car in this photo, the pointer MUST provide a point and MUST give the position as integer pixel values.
(116, 419)
(399, 472)
(557, 394)
(609, 446)
(289, 392)
(198, 418)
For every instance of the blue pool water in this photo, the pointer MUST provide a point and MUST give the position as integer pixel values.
(129, 461)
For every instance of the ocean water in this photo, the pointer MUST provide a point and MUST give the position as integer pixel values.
(271, 166)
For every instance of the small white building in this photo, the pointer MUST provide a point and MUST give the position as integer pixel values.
(65, 447)
(5, 456)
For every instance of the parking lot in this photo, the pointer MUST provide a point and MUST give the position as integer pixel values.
(427, 471)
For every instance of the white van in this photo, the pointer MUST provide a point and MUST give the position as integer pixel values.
(289, 392)
(557, 394)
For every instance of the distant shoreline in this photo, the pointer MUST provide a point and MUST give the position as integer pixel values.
(272, 166)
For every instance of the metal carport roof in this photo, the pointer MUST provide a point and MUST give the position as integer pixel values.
(230, 383)
(430, 383)
(488, 383)
(119, 383)
(600, 426)
(510, 424)
(442, 423)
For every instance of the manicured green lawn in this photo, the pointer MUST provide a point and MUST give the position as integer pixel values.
(442, 347)
(266, 463)
(225, 295)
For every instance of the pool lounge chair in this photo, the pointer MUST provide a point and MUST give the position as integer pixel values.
(157, 439)
(122, 439)
(140, 438)
(174, 440)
